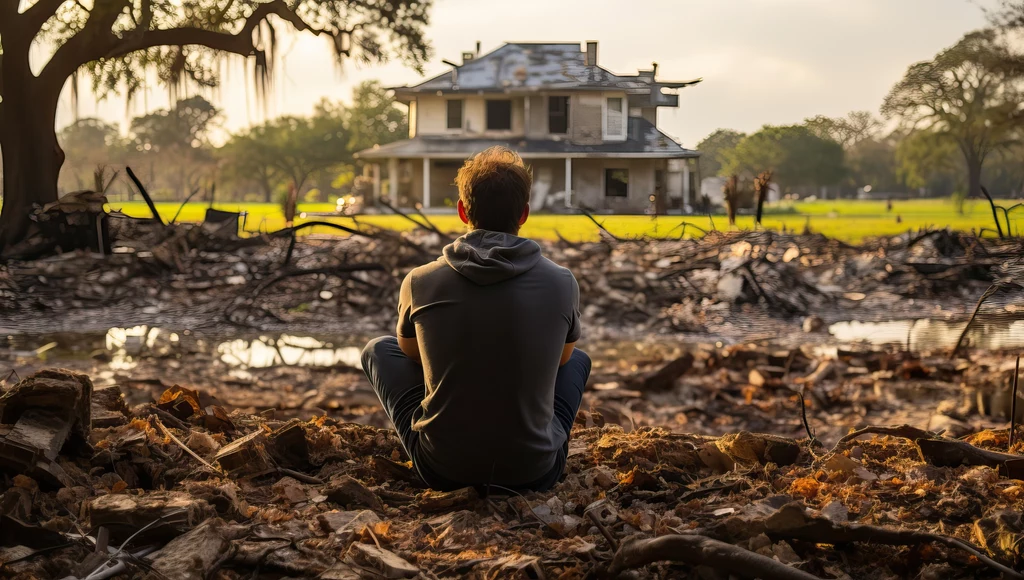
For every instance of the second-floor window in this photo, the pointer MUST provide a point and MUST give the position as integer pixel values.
(455, 113)
(558, 115)
(614, 118)
(499, 115)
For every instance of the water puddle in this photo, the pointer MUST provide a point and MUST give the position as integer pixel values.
(123, 347)
(933, 334)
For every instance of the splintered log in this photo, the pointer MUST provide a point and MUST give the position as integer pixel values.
(46, 410)
(195, 555)
(697, 550)
(164, 514)
(57, 390)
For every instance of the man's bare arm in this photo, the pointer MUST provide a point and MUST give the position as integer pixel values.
(410, 347)
(566, 352)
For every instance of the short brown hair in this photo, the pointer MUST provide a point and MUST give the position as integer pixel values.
(494, 186)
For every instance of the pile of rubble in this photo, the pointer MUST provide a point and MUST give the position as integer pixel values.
(178, 487)
(686, 285)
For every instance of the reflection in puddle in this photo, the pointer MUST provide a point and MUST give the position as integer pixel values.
(928, 334)
(287, 350)
(122, 348)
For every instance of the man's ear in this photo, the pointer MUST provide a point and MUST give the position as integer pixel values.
(525, 216)
(462, 213)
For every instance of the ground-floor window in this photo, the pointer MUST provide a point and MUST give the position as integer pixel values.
(616, 182)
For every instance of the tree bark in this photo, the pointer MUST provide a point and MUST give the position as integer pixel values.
(28, 142)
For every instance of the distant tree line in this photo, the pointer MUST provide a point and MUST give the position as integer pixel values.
(949, 126)
(171, 151)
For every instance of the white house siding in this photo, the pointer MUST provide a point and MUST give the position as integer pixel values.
(537, 127)
(589, 190)
(586, 112)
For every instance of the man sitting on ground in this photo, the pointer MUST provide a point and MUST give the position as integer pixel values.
(483, 382)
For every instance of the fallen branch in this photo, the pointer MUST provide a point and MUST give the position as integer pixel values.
(904, 431)
(995, 215)
(406, 216)
(599, 224)
(293, 231)
(1013, 404)
(988, 293)
(953, 452)
(703, 551)
(145, 195)
(803, 417)
(167, 433)
(430, 224)
(183, 204)
(332, 270)
(793, 523)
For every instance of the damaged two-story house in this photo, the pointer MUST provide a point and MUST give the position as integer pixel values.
(590, 135)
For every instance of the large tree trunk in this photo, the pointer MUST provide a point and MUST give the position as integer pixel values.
(974, 177)
(32, 157)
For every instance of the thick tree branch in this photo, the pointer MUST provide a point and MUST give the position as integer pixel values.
(36, 16)
(92, 45)
(95, 37)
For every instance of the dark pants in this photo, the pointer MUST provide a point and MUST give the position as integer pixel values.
(398, 381)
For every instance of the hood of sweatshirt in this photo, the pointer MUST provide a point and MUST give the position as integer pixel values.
(487, 257)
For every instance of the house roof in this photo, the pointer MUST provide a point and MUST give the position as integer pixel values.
(644, 141)
(534, 66)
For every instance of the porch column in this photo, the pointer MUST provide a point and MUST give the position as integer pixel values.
(686, 182)
(426, 182)
(393, 180)
(376, 182)
(568, 182)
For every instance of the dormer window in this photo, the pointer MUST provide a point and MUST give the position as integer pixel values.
(454, 114)
(499, 115)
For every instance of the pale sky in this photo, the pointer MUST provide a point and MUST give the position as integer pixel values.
(763, 61)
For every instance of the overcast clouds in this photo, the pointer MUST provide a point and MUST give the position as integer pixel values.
(763, 61)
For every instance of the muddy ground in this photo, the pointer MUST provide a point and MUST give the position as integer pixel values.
(726, 372)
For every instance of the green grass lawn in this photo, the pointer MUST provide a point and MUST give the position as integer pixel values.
(848, 220)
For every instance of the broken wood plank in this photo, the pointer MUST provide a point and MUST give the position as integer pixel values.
(387, 563)
(351, 493)
(287, 445)
(108, 407)
(244, 455)
(195, 555)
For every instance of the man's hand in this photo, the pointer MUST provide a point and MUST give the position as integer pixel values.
(566, 352)
(410, 347)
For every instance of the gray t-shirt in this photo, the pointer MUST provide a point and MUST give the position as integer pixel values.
(491, 317)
